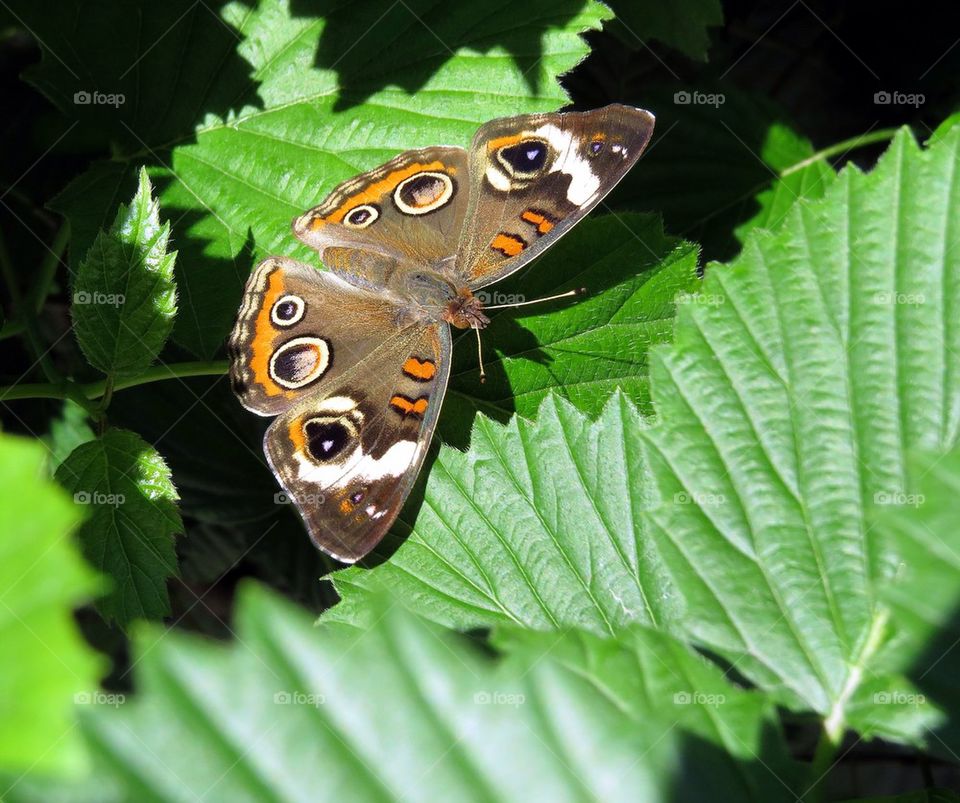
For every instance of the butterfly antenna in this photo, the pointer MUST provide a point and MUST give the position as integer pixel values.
(578, 292)
(483, 374)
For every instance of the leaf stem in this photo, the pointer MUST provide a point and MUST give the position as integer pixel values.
(97, 390)
(839, 148)
(48, 269)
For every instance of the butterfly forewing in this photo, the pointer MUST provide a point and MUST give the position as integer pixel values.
(534, 177)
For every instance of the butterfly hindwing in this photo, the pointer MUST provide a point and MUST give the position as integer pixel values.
(348, 456)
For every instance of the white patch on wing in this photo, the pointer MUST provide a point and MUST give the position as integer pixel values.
(497, 179)
(584, 183)
(337, 404)
(395, 461)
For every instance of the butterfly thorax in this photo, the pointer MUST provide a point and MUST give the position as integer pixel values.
(431, 296)
(465, 311)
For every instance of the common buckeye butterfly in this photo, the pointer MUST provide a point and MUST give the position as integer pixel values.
(354, 361)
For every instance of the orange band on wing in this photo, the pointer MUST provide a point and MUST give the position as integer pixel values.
(263, 334)
(377, 190)
(508, 244)
(538, 219)
(502, 142)
(421, 370)
(406, 406)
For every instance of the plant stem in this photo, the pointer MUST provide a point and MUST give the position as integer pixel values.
(96, 390)
(48, 269)
(840, 148)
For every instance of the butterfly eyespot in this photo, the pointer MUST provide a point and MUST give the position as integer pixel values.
(287, 311)
(300, 361)
(595, 147)
(361, 216)
(525, 159)
(424, 192)
(325, 438)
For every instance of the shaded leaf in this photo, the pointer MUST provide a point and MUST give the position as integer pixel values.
(124, 297)
(128, 535)
(682, 25)
(434, 719)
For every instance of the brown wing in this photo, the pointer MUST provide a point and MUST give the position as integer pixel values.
(299, 329)
(533, 177)
(410, 209)
(348, 455)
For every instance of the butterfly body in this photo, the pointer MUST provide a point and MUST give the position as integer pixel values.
(354, 361)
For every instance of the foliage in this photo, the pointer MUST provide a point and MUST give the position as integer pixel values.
(693, 538)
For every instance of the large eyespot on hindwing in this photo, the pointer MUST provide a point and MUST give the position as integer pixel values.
(300, 361)
(287, 310)
(423, 193)
(524, 160)
(325, 437)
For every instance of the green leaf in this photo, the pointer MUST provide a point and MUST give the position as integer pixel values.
(124, 297)
(133, 516)
(327, 97)
(584, 348)
(67, 432)
(921, 526)
(682, 25)
(44, 662)
(430, 718)
(800, 378)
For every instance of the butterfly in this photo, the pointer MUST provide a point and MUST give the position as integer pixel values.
(353, 361)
